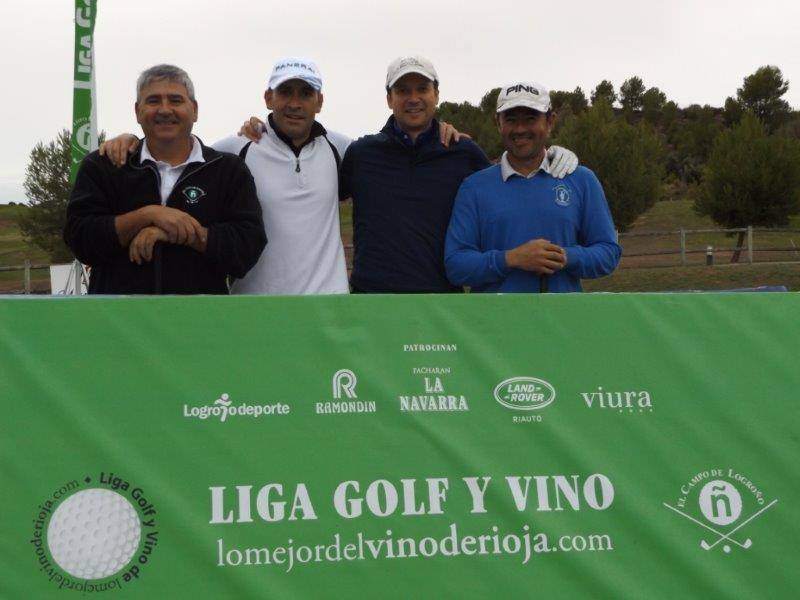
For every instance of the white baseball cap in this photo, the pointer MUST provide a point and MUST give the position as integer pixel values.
(410, 64)
(295, 68)
(527, 94)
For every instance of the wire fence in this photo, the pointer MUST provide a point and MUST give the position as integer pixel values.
(27, 282)
(694, 247)
(676, 248)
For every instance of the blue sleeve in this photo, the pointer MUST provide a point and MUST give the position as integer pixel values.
(464, 262)
(597, 252)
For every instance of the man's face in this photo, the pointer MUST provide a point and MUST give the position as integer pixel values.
(525, 131)
(165, 111)
(294, 105)
(413, 99)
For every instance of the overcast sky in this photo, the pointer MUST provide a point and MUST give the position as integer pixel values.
(695, 51)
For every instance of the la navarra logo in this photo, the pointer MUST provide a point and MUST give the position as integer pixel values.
(95, 534)
(721, 504)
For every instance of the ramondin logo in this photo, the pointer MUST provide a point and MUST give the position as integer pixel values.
(222, 408)
(95, 537)
(525, 393)
(716, 500)
(345, 398)
(344, 382)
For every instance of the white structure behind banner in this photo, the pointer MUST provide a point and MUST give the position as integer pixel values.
(69, 280)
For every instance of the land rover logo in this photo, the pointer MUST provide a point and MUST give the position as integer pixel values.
(524, 393)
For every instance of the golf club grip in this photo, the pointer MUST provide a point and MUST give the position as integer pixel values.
(543, 281)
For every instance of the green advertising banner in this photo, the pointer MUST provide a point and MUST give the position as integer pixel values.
(472, 446)
(84, 111)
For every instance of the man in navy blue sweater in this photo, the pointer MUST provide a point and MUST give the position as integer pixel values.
(515, 227)
(403, 182)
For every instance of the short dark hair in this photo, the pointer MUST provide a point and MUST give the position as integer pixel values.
(435, 85)
(546, 114)
(168, 72)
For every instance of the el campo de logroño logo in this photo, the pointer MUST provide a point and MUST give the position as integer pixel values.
(722, 503)
(95, 534)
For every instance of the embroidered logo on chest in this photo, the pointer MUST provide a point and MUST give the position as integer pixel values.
(562, 197)
(193, 194)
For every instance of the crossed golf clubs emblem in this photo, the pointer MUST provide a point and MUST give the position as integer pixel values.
(724, 536)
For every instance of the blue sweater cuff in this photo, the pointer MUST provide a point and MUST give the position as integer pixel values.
(499, 262)
(574, 258)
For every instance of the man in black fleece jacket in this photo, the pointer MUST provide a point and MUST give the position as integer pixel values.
(178, 218)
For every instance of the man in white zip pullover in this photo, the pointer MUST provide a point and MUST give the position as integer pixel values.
(295, 166)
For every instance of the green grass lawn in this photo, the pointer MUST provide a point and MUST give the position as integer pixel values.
(721, 277)
(670, 216)
(14, 250)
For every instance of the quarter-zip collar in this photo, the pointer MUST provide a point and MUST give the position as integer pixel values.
(394, 131)
(316, 130)
(401, 134)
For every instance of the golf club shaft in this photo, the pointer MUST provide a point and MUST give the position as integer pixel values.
(722, 536)
(746, 521)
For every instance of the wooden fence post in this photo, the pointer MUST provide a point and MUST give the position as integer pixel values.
(750, 244)
(27, 276)
(683, 247)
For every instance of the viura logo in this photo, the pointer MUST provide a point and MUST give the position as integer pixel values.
(721, 502)
(630, 401)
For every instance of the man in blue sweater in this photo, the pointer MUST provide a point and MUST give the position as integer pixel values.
(515, 227)
(403, 182)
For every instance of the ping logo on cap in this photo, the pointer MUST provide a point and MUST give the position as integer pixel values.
(522, 88)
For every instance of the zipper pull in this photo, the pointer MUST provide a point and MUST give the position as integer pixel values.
(297, 168)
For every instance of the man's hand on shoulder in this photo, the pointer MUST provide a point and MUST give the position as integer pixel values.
(448, 133)
(563, 162)
(253, 129)
(537, 256)
(118, 148)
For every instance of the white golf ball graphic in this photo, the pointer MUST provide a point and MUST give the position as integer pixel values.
(94, 533)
